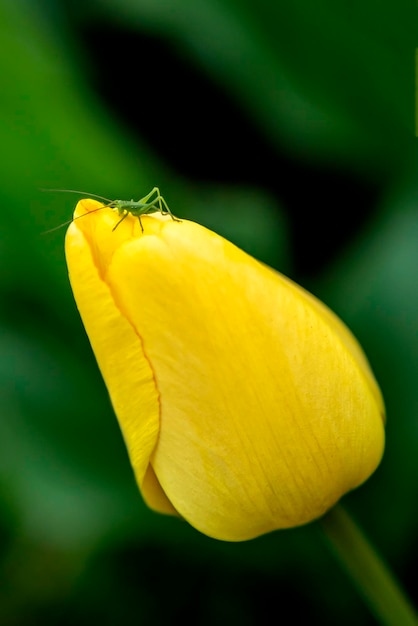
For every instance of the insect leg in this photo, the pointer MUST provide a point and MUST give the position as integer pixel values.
(121, 220)
(164, 209)
(148, 206)
(153, 191)
(162, 204)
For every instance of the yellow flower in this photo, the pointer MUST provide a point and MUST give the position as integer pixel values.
(245, 404)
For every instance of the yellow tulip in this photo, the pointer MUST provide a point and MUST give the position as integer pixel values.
(246, 405)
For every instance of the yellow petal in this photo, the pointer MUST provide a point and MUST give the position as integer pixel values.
(268, 411)
(117, 346)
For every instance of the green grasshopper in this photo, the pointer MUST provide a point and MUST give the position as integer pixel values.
(153, 202)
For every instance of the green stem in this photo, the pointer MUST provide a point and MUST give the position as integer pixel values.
(371, 576)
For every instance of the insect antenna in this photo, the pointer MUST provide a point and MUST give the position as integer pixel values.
(82, 193)
(51, 230)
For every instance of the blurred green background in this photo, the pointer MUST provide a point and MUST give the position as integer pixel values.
(288, 128)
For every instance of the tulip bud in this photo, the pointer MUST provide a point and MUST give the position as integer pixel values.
(246, 405)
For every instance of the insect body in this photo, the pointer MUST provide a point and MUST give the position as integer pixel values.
(153, 202)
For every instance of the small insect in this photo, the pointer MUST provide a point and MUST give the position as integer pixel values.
(153, 202)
